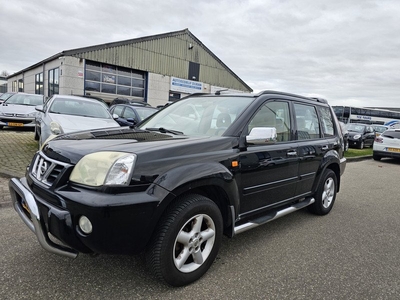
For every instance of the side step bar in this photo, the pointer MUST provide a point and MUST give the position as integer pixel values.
(273, 216)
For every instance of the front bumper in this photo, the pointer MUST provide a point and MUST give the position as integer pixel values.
(25, 205)
(17, 122)
(122, 223)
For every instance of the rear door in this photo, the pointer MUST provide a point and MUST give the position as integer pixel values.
(313, 143)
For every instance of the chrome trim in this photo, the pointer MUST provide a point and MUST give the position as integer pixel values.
(43, 167)
(274, 216)
(34, 223)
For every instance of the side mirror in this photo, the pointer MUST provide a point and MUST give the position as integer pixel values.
(262, 136)
(132, 120)
(39, 108)
(115, 116)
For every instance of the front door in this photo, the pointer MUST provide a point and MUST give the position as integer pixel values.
(269, 173)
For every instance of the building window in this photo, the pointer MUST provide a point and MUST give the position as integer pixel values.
(54, 78)
(14, 86)
(116, 80)
(39, 88)
(20, 85)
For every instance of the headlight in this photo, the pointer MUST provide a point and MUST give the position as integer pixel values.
(31, 115)
(104, 168)
(357, 136)
(55, 128)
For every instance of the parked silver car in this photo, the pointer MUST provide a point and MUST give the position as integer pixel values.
(65, 114)
(19, 110)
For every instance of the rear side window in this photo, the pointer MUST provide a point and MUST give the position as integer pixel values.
(307, 122)
(326, 121)
(392, 134)
(118, 110)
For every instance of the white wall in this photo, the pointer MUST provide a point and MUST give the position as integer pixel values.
(158, 89)
(71, 75)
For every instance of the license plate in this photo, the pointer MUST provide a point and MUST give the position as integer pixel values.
(393, 149)
(15, 124)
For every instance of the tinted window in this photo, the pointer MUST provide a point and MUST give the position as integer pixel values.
(273, 114)
(392, 134)
(129, 113)
(307, 122)
(326, 121)
(117, 110)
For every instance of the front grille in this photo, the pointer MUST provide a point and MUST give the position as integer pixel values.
(47, 170)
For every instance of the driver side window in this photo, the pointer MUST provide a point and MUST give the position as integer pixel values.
(273, 114)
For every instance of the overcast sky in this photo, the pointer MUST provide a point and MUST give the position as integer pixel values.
(341, 50)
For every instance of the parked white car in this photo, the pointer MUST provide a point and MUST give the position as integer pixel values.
(65, 114)
(387, 145)
(19, 110)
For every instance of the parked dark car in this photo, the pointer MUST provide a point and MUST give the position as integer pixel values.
(129, 115)
(121, 100)
(200, 168)
(360, 135)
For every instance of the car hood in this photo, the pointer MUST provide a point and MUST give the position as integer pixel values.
(70, 148)
(17, 109)
(71, 123)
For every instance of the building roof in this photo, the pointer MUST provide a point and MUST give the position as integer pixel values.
(81, 51)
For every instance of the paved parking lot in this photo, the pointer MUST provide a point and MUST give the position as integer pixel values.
(352, 253)
(17, 147)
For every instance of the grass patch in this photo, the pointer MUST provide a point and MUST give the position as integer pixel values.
(358, 152)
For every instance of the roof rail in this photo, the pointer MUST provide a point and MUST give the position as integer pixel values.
(322, 100)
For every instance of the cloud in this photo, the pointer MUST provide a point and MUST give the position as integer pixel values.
(344, 51)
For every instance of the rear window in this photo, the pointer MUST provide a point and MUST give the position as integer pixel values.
(392, 134)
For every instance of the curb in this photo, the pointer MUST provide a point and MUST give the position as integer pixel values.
(358, 158)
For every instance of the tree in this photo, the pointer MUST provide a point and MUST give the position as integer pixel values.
(4, 73)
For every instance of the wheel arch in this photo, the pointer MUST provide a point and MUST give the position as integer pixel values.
(331, 161)
(212, 180)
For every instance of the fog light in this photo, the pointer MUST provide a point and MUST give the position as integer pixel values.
(85, 225)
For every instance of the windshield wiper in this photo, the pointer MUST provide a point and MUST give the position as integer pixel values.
(164, 130)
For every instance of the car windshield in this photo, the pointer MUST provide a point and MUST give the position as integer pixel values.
(76, 107)
(25, 99)
(5, 96)
(199, 115)
(355, 127)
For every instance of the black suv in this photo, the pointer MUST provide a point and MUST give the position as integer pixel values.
(200, 168)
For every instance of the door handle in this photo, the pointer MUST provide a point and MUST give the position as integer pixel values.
(291, 153)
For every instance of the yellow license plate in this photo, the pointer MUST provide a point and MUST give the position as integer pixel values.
(15, 124)
(393, 149)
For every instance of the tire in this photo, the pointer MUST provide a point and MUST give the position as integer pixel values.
(376, 157)
(326, 194)
(178, 235)
(361, 146)
(36, 134)
(1, 127)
